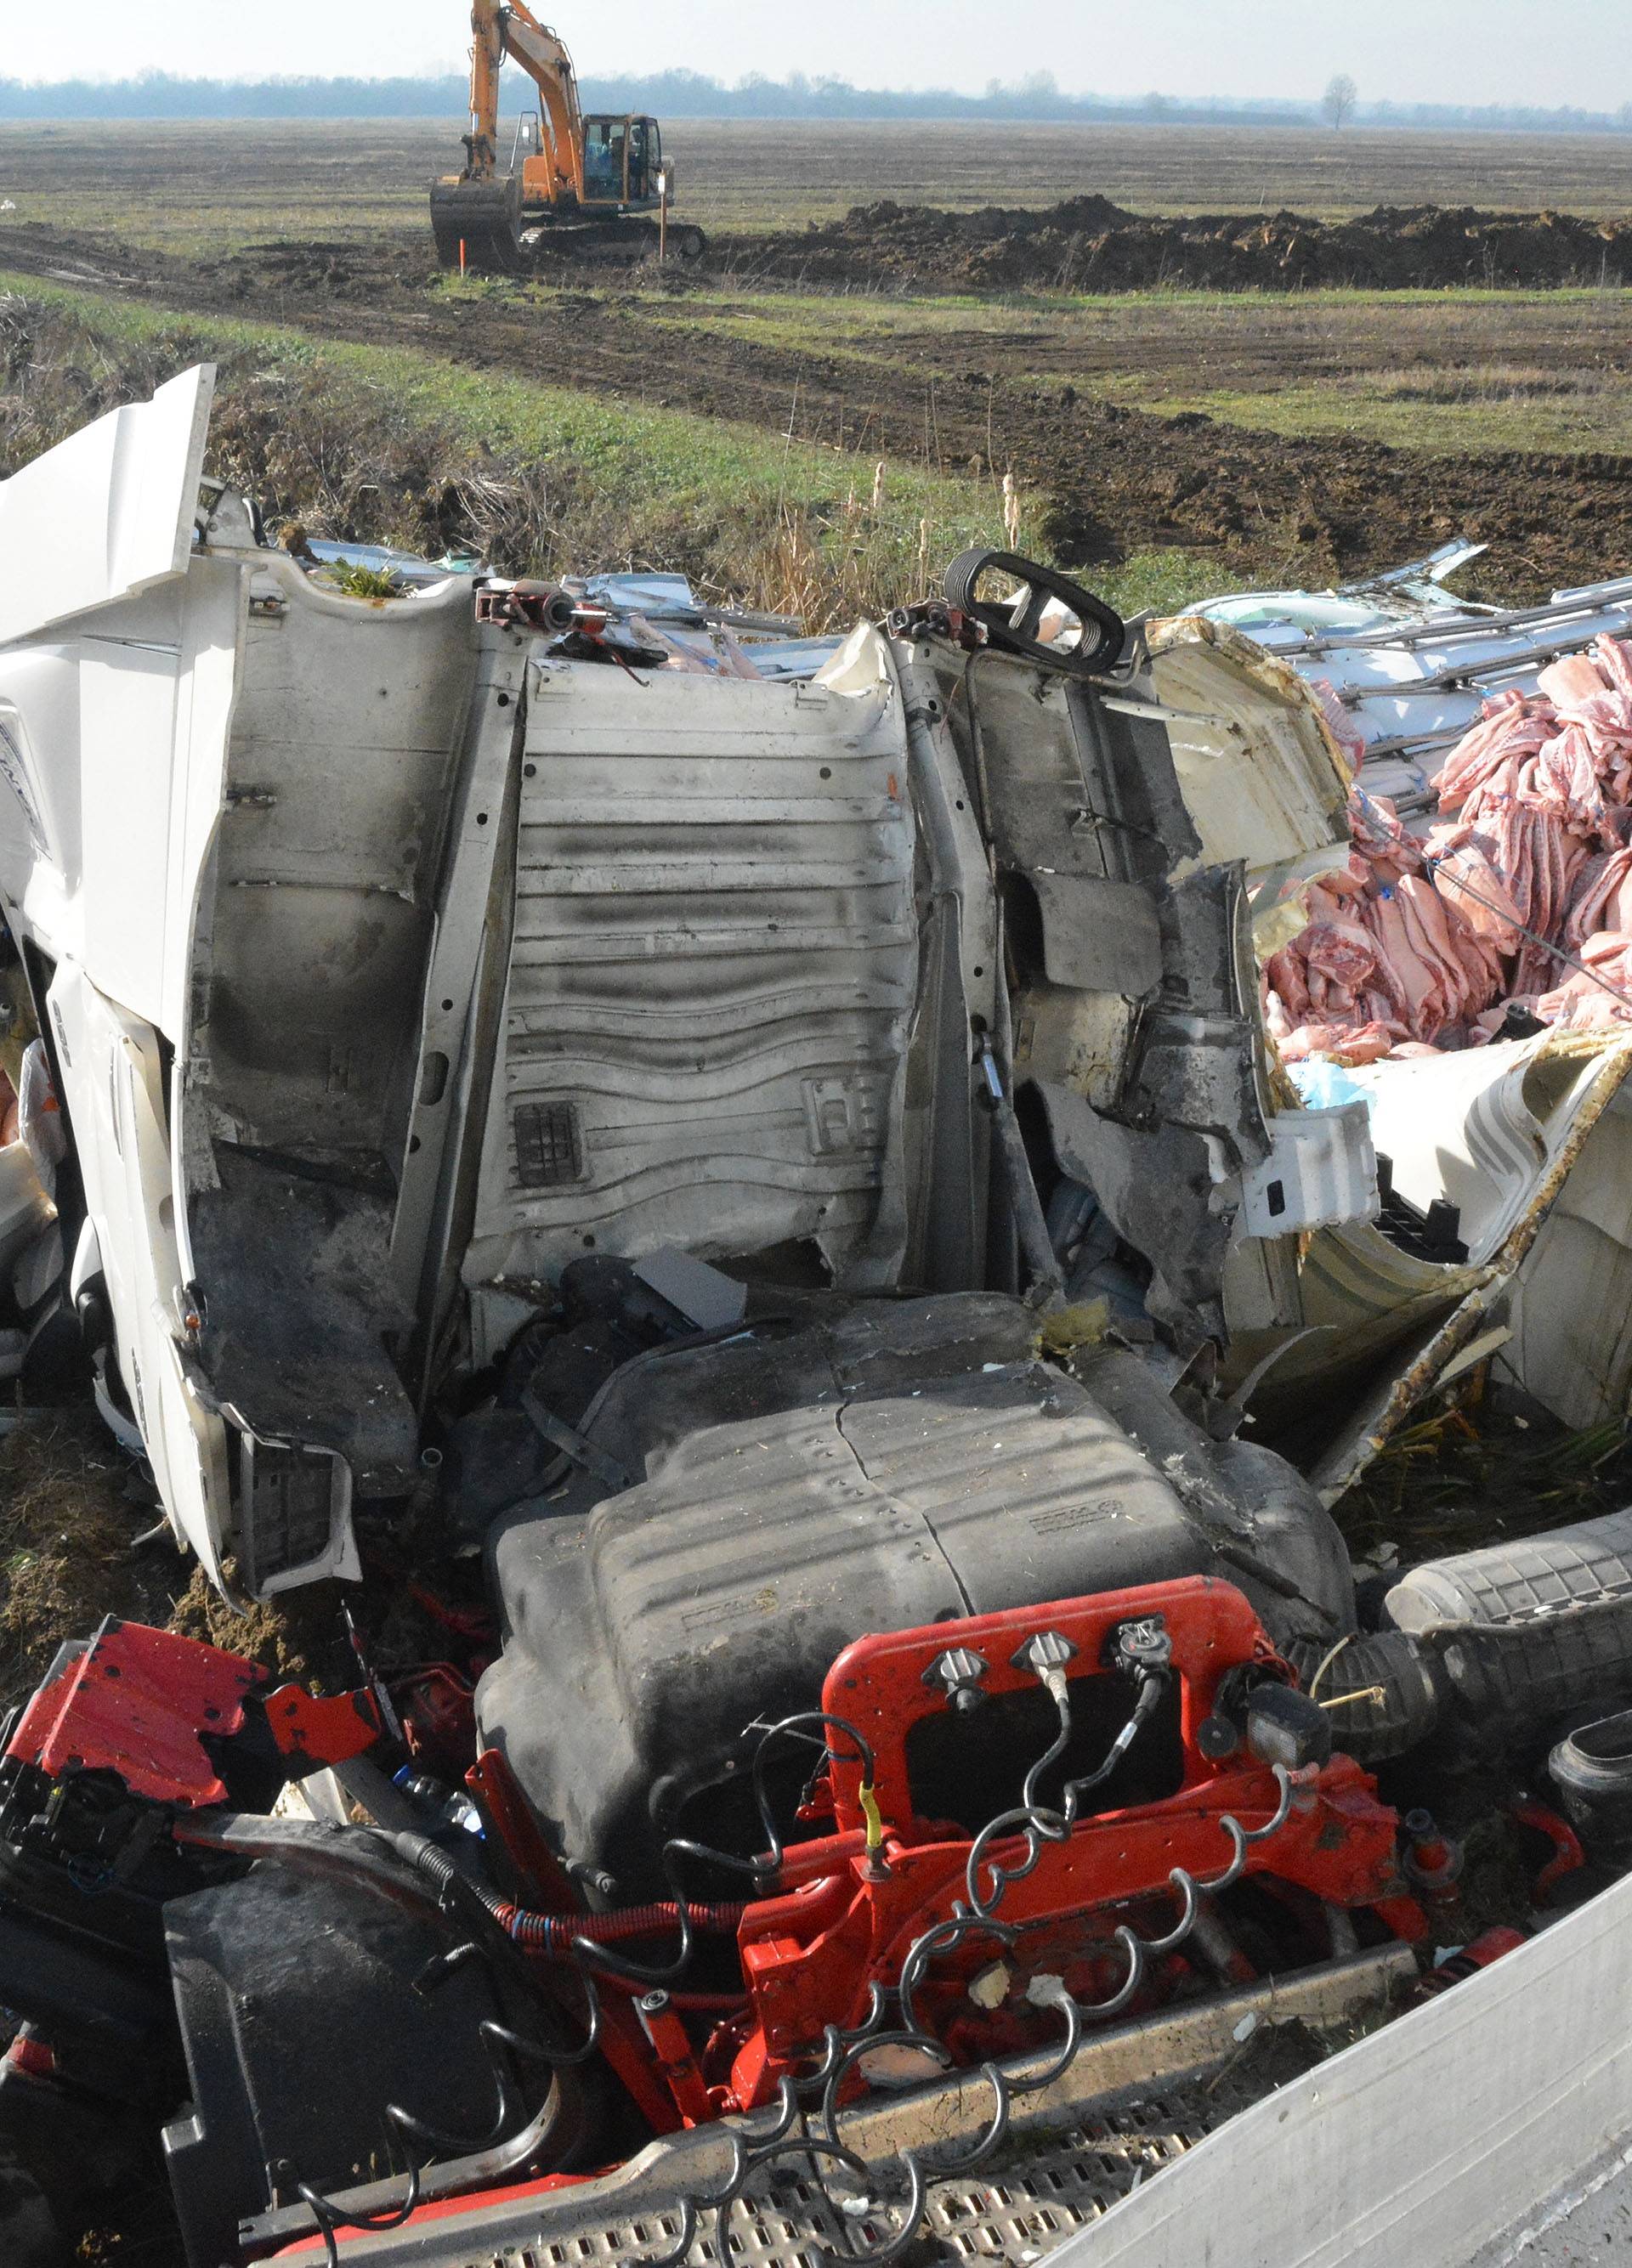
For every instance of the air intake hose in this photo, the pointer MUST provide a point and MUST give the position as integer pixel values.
(1502, 1642)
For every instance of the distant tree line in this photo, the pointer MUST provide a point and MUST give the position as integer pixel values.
(691, 94)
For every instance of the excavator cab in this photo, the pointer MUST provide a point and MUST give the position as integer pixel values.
(622, 157)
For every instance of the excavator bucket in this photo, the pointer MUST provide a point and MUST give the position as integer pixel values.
(478, 222)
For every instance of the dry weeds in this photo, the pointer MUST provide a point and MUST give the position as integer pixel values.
(351, 461)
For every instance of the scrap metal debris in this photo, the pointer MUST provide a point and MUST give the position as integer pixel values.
(724, 1210)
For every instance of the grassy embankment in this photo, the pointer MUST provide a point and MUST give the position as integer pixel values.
(372, 444)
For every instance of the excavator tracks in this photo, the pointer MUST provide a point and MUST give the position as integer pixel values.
(479, 226)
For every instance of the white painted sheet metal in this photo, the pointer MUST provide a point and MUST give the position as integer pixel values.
(713, 963)
(1420, 2144)
(107, 515)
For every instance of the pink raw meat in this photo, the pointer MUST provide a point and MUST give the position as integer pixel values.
(1425, 941)
(1573, 678)
(1601, 898)
(1512, 725)
(1466, 873)
(1366, 1043)
(1614, 659)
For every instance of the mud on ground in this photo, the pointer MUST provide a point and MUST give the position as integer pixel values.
(1113, 480)
(68, 1553)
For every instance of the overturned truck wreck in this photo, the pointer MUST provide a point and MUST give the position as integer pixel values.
(784, 1163)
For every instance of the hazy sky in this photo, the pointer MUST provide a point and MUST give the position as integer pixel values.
(1548, 52)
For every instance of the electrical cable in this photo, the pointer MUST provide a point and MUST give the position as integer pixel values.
(845, 2051)
(409, 1866)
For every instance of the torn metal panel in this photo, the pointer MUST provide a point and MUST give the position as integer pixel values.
(1261, 775)
(113, 1068)
(1360, 1301)
(1158, 1186)
(713, 961)
(1140, 1031)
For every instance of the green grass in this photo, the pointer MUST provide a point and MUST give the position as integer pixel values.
(1516, 411)
(367, 442)
(1451, 371)
(635, 455)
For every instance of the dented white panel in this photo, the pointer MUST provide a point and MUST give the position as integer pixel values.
(106, 513)
(127, 707)
(1571, 1317)
(1260, 773)
(1321, 1169)
(111, 1066)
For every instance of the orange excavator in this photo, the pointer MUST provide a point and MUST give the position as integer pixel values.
(588, 185)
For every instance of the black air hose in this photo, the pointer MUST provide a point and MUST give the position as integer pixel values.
(415, 1871)
(1381, 1688)
(1502, 1641)
(406, 1868)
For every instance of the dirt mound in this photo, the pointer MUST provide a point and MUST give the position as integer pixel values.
(362, 273)
(1088, 244)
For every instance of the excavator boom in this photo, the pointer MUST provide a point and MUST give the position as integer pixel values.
(547, 64)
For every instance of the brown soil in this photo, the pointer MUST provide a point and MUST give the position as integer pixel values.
(1116, 480)
(69, 1552)
(1088, 244)
(76, 1545)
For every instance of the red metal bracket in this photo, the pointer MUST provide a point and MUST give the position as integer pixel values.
(311, 1730)
(878, 1683)
(846, 1916)
(139, 1702)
